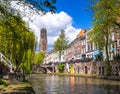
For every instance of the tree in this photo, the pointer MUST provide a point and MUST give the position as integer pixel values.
(17, 41)
(13, 31)
(6, 10)
(106, 20)
(27, 62)
(39, 58)
(61, 44)
(61, 68)
(43, 5)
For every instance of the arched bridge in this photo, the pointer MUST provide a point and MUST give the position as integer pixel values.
(43, 68)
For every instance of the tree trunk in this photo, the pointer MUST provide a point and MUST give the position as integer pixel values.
(1, 68)
(23, 76)
(108, 66)
(59, 56)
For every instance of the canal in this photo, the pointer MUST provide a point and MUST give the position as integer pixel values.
(55, 84)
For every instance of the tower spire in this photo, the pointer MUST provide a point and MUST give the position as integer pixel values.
(43, 40)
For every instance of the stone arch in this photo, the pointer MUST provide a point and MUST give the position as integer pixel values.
(43, 70)
(50, 69)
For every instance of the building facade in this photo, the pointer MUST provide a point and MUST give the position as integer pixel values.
(85, 56)
(76, 48)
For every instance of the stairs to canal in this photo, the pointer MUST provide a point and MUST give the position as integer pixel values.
(5, 63)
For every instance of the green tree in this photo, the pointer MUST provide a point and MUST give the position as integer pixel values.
(17, 42)
(43, 5)
(39, 58)
(27, 62)
(15, 39)
(61, 68)
(61, 44)
(106, 20)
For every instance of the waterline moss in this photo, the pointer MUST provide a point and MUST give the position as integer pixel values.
(17, 87)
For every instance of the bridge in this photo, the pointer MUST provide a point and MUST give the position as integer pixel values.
(43, 68)
(5, 64)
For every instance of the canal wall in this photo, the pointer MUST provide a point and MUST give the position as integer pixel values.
(89, 68)
(97, 68)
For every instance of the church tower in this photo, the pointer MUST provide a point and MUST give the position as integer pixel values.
(43, 40)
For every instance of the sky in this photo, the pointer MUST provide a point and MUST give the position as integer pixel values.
(78, 10)
(71, 16)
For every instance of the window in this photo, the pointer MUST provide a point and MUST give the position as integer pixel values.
(119, 33)
(88, 47)
(118, 42)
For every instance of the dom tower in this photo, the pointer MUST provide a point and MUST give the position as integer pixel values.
(43, 40)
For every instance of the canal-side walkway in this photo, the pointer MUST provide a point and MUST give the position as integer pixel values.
(15, 87)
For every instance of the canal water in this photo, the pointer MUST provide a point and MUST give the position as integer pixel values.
(56, 84)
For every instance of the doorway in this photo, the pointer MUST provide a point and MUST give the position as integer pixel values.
(86, 70)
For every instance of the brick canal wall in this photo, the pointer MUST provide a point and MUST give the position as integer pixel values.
(96, 68)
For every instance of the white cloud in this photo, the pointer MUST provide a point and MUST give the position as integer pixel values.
(52, 22)
(71, 32)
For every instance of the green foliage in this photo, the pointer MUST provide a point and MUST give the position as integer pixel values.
(106, 21)
(27, 61)
(106, 18)
(6, 10)
(39, 57)
(61, 43)
(42, 5)
(16, 39)
(61, 68)
(71, 65)
(17, 42)
(2, 82)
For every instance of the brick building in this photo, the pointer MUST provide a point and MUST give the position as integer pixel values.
(43, 40)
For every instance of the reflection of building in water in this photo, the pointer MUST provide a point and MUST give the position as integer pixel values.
(72, 80)
(43, 40)
(72, 83)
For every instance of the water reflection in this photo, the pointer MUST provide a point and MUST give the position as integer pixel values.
(53, 84)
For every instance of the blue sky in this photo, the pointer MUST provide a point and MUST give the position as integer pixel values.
(78, 10)
(71, 16)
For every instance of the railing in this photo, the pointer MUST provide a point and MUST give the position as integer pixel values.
(5, 61)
